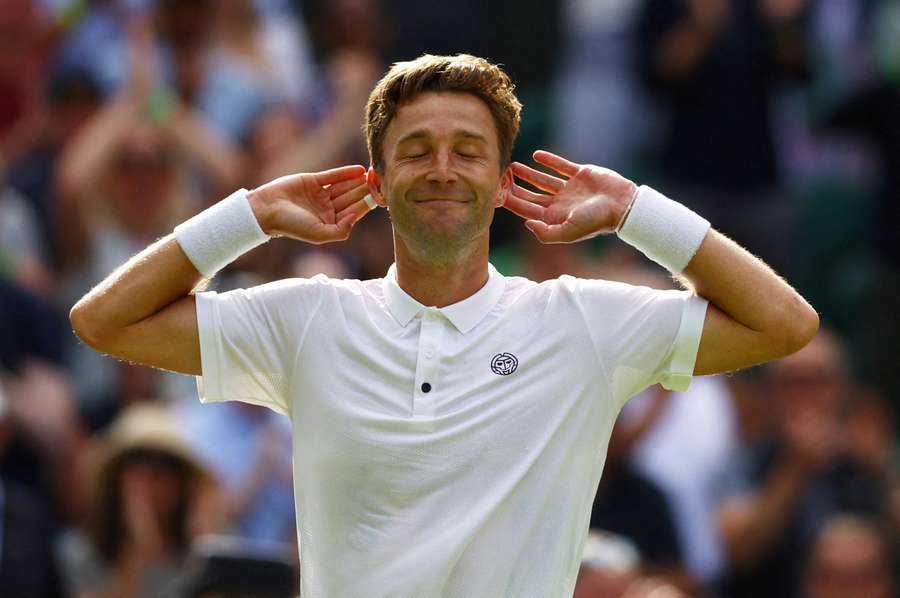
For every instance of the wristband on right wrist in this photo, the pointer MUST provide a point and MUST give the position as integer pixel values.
(664, 230)
(220, 234)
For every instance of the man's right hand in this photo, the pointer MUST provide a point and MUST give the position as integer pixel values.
(318, 207)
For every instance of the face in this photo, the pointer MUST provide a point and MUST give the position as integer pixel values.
(848, 565)
(442, 178)
(152, 477)
(142, 178)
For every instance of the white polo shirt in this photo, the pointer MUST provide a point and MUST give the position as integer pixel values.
(450, 452)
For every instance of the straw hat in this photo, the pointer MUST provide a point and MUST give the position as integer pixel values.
(147, 427)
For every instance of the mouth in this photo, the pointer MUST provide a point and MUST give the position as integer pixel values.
(441, 201)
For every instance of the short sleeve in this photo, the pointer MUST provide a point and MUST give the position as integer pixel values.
(250, 338)
(643, 336)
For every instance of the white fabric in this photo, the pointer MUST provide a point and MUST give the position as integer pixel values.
(697, 427)
(482, 486)
(220, 234)
(664, 230)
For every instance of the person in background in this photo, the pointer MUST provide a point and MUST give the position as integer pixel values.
(69, 101)
(249, 450)
(121, 181)
(148, 498)
(785, 486)
(41, 442)
(850, 559)
(713, 65)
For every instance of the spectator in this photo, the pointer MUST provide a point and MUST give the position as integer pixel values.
(791, 482)
(850, 559)
(119, 185)
(697, 427)
(249, 450)
(714, 65)
(70, 100)
(272, 48)
(149, 496)
(872, 112)
(40, 441)
(25, 40)
(597, 101)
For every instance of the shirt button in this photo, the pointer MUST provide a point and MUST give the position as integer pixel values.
(426, 387)
(429, 353)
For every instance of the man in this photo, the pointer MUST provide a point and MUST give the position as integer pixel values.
(450, 424)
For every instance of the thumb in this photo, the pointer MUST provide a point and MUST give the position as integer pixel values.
(348, 220)
(546, 233)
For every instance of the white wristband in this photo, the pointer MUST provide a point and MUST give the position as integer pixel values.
(220, 234)
(664, 230)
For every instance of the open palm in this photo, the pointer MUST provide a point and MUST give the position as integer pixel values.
(315, 207)
(588, 201)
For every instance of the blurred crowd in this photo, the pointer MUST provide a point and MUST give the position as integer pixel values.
(778, 120)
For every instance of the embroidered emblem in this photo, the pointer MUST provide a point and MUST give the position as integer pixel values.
(504, 364)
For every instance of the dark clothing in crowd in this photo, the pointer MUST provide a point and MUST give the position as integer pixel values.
(874, 113)
(630, 505)
(27, 563)
(720, 133)
(29, 328)
(842, 487)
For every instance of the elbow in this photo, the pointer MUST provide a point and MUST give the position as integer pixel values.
(84, 326)
(800, 330)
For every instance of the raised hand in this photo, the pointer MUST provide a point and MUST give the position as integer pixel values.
(587, 202)
(317, 208)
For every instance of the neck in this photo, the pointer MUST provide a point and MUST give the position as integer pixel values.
(439, 283)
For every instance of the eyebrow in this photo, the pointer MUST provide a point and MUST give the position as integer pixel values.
(424, 134)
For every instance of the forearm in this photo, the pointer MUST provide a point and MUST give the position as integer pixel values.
(746, 289)
(142, 286)
(144, 310)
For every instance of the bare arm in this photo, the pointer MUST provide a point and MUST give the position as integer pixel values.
(753, 316)
(145, 311)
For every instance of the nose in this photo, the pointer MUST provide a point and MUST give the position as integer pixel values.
(441, 169)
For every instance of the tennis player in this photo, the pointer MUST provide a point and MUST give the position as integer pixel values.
(450, 423)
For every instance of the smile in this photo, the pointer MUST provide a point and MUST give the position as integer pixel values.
(441, 201)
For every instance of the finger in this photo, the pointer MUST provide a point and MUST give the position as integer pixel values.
(538, 198)
(548, 233)
(523, 208)
(341, 230)
(557, 163)
(360, 208)
(539, 179)
(336, 175)
(350, 197)
(566, 232)
(342, 187)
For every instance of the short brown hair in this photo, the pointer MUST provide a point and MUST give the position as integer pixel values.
(462, 73)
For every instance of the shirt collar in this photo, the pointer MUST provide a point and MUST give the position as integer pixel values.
(463, 314)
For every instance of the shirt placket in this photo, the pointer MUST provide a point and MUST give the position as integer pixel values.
(427, 386)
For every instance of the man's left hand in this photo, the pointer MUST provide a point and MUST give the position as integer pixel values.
(587, 201)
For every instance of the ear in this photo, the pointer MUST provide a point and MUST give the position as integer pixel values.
(374, 184)
(506, 185)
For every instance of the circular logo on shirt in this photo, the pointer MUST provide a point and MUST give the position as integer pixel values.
(504, 364)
